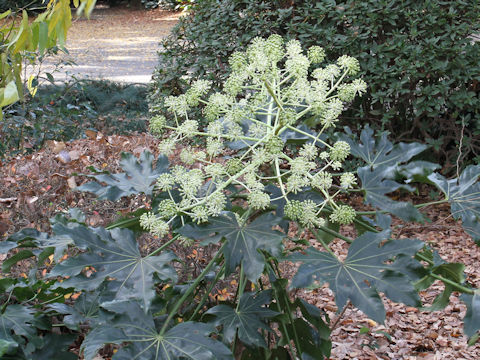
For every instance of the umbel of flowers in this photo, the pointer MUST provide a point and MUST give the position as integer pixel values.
(274, 86)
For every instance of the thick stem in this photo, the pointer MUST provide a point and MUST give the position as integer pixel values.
(209, 290)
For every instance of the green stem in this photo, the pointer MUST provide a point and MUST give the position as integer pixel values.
(209, 290)
(336, 234)
(123, 223)
(168, 243)
(241, 287)
(325, 246)
(192, 287)
(418, 206)
(459, 287)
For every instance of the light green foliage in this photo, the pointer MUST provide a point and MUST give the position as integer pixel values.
(27, 39)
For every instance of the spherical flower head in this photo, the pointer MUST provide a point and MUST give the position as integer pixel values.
(214, 147)
(234, 166)
(177, 104)
(288, 117)
(322, 180)
(324, 155)
(347, 180)
(187, 156)
(293, 210)
(336, 165)
(334, 108)
(217, 103)
(215, 128)
(309, 216)
(257, 130)
(167, 146)
(274, 145)
(326, 74)
(178, 172)
(349, 64)
(316, 54)
(293, 48)
(296, 183)
(215, 170)
(274, 48)
(191, 182)
(165, 182)
(301, 166)
(234, 130)
(157, 124)
(258, 200)
(251, 181)
(149, 221)
(309, 151)
(188, 128)
(346, 92)
(238, 61)
(343, 215)
(167, 209)
(359, 86)
(199, 214)
(233, 84)
(261, 156)
(256, 54)
(199, 88)
(340, 151)
(216, 203)
(298, 65)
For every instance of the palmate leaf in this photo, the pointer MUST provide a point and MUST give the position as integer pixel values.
(246, 320)
(464, 197)
(364, 272)
(84, 310)
(242, 240)
(380, 152)
(138, 177)
(114, 255)
(376, 183)
(138, 329)
(17, 320)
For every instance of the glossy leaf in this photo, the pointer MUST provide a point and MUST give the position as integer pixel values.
(364, 272)
(138, 329)
(246, 320)
(17, 320)
(138, 177)
(376, 183)
(114, 255)
(243, 240)
(464, 197)
(381, 152)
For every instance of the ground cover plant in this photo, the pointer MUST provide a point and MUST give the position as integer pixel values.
(418, 57)
(69, 111)
(260, 172)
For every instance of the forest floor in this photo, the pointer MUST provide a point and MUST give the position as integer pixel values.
(120, 44)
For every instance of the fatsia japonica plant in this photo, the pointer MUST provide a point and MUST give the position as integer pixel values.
(262, 191)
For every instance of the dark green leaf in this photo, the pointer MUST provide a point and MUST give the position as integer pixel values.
(18, 320)
(464, 197)
(133, 326)
(138, 177)
(243, 240)
(381, 152)
(362, 273)
(376, 184)
(55, 347)
(246, 320)
(84, 310)
(114, 255)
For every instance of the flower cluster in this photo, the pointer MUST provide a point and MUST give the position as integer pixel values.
(273, 86)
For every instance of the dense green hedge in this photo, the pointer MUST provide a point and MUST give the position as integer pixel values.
(416, 55)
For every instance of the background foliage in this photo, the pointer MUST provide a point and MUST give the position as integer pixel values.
(417, 57)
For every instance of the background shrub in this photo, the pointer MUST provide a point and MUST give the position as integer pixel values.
(418, 58)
